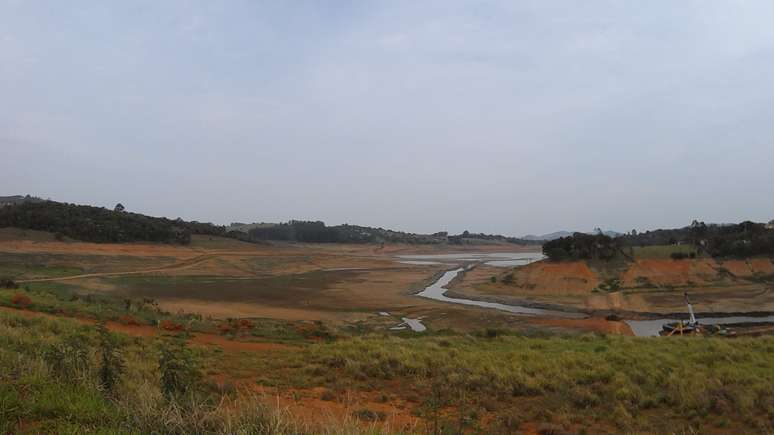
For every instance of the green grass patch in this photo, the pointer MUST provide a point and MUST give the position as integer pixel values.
(661, 251)
(630, 383)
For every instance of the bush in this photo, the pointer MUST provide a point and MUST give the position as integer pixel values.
(112, 364)
(179, 372)
(69, 360)
(369, 415)
(21, 300)
(8, 283)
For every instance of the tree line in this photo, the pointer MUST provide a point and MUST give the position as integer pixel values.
(318, 232)
(740, 240)
(97, 224)
(581, 246)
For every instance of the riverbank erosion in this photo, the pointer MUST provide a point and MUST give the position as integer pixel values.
(630, 288)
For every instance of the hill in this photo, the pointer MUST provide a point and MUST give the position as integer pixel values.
(18, 199)
(318, 232)
(742, 240)
(101, 225)
(97, 224)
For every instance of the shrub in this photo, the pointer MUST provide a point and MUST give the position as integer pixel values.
(112, 364)
(21, 300)
(179, 372)
(491, 333)
(369, 415)
(8, 283)
(128, 320)
(69, 360)
(610, 285)
(169, 325)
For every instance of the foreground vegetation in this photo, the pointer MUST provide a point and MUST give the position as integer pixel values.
(68, 301)
(59, 376)
(589, 383)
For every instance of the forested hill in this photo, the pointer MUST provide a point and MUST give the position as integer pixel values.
(101, 225)
(97, 224)
(745, 239)
(318, 232)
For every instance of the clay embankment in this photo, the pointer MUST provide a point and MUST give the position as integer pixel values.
(644, 286)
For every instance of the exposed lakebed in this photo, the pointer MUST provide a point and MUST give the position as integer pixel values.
(437, 291)
(497, 259)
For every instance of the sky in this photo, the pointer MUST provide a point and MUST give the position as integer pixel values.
(508, 117)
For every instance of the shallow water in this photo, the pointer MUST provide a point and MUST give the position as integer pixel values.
(497, 259)
(438, 289)
(415, 324)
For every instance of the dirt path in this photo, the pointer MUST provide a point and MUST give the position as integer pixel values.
(180, 265)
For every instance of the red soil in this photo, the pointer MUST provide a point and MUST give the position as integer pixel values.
(21, 300)
(670, 272)
(152, 331)
(557, 278)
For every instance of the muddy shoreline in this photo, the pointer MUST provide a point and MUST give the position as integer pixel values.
(621, 314)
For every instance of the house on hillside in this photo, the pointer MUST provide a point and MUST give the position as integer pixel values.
(770, 225)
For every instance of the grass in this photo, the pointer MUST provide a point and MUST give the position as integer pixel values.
(614, 381)
(492, 382)
(598, 384)
(36, 397)
(49, 265)
(67, 300)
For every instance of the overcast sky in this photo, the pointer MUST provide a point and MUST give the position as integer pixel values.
(508, 117)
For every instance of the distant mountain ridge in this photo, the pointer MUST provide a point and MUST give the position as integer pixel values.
(559, 234)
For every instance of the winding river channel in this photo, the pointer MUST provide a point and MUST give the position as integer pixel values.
(437, 291)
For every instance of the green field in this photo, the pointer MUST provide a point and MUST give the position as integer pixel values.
(661, 251)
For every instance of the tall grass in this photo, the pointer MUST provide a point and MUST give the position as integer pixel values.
(50, 383)
(630, 383)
